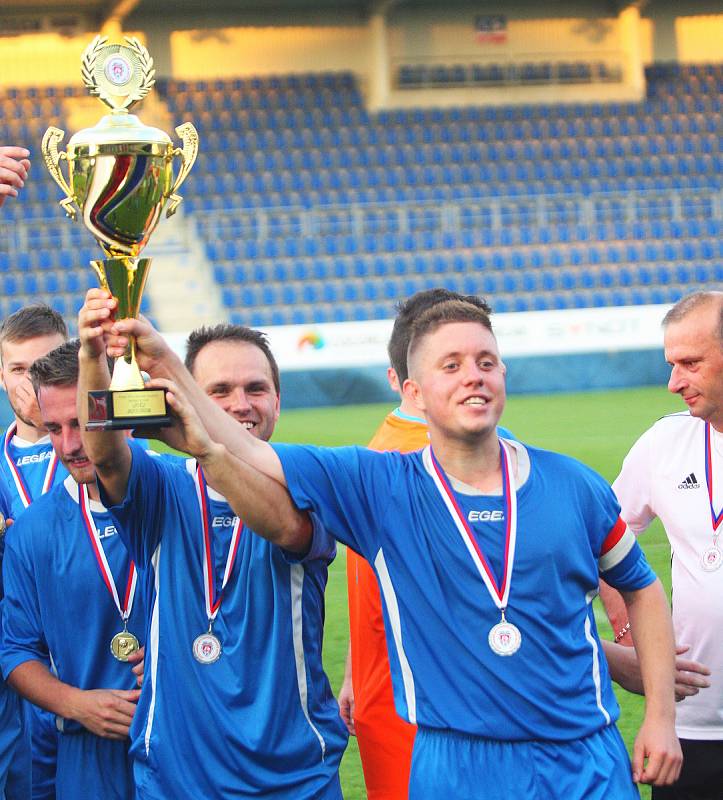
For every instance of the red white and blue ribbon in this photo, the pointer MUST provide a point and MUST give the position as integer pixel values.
(85, 512)
(716, 519)
(213, 602)
(499, 593)
(20, 484)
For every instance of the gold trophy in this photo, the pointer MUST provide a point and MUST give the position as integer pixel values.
(120, 176)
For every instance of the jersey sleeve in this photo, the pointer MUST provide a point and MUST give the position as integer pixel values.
(344, 486)
(139, 517)
(323, 545)
(633, 485)
(22, 630)
(622, 562)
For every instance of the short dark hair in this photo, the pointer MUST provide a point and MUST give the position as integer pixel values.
(690, 303)
(58, 368)
(34, 320)
(408, 311)
(199, 338)
(443, 314)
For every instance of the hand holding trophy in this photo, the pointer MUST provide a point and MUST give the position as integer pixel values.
(120, 176)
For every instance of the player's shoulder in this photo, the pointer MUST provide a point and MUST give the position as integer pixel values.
(559, 466)
(676, 422)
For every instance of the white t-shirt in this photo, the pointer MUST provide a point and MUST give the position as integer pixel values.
(664, 475)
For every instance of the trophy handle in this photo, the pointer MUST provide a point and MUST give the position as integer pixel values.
(49, 147)
(189, 136)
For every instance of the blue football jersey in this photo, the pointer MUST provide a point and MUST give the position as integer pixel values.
(9, 707)
(26, 469)
(438, 612)
(57, 604)
(261, 721)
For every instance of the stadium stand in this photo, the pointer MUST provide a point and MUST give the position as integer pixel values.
(311, 209)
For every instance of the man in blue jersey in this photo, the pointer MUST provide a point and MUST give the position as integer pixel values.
(233, 663)
(10, 724)
(70, 598)
(29, 468)
(487, 553)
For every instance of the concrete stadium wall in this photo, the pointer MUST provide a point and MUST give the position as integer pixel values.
(196, 45)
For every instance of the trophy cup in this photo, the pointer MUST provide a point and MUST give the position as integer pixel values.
(120, 176)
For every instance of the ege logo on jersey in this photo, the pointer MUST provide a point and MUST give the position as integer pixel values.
(223, 522)
(35, 458)
(486, 516)
(109, 530)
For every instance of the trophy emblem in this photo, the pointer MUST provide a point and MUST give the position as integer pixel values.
(120, 179)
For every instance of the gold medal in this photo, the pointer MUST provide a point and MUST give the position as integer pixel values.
(123, 644)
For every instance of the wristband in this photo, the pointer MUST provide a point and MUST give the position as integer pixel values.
(622, 632)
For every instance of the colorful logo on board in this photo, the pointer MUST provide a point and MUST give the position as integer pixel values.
(310, 339)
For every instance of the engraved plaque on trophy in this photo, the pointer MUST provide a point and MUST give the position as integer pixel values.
(120, 178)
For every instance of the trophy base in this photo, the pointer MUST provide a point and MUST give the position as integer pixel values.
(135, 409)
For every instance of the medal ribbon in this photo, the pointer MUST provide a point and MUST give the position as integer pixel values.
(213, 603)
(499, 594)
(106, 574)
(716, 519)
(20, 485)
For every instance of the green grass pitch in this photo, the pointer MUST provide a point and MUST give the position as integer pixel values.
(598, 428)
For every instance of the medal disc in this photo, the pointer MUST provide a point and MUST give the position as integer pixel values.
(504, 638)
(123, 644)
(712, 559)
(206, 648)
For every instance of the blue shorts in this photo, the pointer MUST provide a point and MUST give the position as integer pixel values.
(90, 768)
(453, 765)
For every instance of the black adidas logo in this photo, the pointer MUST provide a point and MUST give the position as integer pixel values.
(691, 482)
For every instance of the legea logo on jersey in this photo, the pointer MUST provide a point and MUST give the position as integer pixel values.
(223, 522)
(689, 482)
(486, 516)
(35, 458)
(105, 533)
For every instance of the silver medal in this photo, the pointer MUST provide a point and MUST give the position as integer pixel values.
(712, 559)
(504, 638)
(207, 648)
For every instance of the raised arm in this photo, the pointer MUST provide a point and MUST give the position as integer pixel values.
(159, 361)
(14, 166)
(108, 450)
(656, 741)
(262, 502)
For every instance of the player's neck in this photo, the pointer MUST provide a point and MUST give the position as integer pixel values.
(408, 408)
(93, 493)
(28, 432)
(474, 462)
(717, 422)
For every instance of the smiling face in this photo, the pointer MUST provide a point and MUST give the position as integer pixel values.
(60, 416)
(457, 380)
(237, 376)
(16, 360)
(694, 350)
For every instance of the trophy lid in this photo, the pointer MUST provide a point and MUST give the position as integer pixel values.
(119, 129)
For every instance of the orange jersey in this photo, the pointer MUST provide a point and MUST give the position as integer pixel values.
(385, 739)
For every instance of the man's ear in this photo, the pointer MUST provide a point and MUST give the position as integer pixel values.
(393, 379)
(413, 393)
